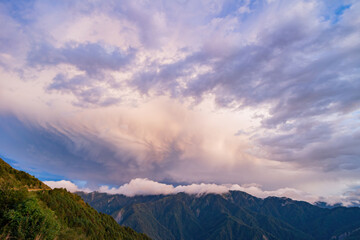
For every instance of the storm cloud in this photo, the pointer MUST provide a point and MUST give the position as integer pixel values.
(210, 91)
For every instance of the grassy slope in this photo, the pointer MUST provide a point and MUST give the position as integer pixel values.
(18, 179)
(50, 214)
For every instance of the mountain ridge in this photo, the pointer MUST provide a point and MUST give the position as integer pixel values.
(18, 179)
(234, 215)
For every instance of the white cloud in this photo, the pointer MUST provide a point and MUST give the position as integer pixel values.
(141, 186)
(71, 187)
(144, 186)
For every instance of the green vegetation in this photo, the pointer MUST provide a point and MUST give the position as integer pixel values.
(235, 215)
(22, 217)
(18, 179)
(50, 214)
(45, 214)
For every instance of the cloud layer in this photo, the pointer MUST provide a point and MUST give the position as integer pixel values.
(143, 187)
(212, 91)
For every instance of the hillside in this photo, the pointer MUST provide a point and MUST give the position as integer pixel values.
(18, 179)
(50, 214)
(236, 215)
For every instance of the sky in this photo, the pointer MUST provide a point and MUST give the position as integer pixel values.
(150, 97)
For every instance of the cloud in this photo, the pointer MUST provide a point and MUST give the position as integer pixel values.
(123, 147)
(202, 188)
(13, 41)
(89, 91)
(94, 85)
(90, 57)
(65, 150)
(276, 69)
(256, 190)
(71, 187)
(352, 198)
(330, 146)
(144, 186)
(140, 186)
(113, 91)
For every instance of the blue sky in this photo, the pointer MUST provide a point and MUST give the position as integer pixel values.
(263, 95)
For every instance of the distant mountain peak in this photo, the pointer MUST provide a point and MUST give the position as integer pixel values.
(229, 216)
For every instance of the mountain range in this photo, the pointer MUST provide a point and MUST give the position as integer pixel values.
(29, 209)
(234, 215)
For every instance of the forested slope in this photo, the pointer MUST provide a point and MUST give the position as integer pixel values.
(50, 214)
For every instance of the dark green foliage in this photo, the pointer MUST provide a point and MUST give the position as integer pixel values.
(72, 211)
(23, 217)
(235, 215)
(29, 221)
(51, 214)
